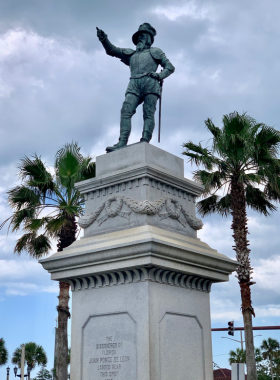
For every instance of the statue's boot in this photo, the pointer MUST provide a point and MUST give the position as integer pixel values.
(149, 108)
(146, 137)
(121, 144)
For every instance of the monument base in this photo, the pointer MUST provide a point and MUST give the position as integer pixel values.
(140, 277)
(140, 304)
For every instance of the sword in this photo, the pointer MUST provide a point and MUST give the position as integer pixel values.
(159, 119)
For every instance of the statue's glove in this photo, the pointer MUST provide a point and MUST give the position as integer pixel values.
(154, 75)
(101, 35)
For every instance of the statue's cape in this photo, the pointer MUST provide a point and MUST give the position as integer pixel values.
(156, 53)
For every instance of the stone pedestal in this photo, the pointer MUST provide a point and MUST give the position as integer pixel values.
(140, 277)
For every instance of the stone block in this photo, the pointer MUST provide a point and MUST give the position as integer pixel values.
(136, 186)
(139, 155)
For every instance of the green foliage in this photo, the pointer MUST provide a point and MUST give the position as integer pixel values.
(3, 352)
(43, 204)
(242, 150)
(270, 350)
(43, 374)
(263, 370)
(34, 355)
(269, 347)
(237, 356)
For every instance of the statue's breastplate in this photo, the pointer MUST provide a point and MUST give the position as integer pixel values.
(142, 63)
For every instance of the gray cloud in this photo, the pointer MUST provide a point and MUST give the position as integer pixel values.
(57, 85)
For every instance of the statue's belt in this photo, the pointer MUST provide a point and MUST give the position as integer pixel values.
(138, 76)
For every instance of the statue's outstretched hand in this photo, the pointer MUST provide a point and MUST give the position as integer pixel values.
(100, 34)
(153, 75)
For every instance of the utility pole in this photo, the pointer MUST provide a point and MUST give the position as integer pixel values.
(241, 340)
(22, 362)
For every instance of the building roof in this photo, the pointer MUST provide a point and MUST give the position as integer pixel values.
(223, 374)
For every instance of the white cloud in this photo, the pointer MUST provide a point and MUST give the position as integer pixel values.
(17, 269)
(24, 289)
(266, 274)
(224, 309)
(189, 9)
(268, 311)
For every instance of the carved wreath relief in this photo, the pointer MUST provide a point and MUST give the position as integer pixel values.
(174, 210)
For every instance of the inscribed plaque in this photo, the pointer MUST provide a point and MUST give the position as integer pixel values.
(109, 347)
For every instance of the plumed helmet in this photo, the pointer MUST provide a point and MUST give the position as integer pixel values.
(147, 28)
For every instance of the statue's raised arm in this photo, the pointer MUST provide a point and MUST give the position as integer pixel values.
(144, 86)
(111, 49)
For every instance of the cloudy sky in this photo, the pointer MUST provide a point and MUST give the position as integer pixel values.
(58, 85)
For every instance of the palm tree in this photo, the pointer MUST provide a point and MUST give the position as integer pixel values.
(34, 355)
(3, 352)
(269, 350)
(43, 374)
(243, 163)
(237, 356)
(45, 207)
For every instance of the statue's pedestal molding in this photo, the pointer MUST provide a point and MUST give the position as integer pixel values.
(140, 277)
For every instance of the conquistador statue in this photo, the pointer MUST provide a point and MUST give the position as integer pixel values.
(144, 86)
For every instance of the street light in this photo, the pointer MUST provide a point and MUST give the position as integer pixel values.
(28, 373)
(8, 372)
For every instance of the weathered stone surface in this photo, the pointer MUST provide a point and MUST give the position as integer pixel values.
(141, 185)
(136, 247)
(109, 349)
(140, 277)
(139, 155)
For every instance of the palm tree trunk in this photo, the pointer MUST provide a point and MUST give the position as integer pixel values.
(62, 331)
(240, 231)
(66, 237)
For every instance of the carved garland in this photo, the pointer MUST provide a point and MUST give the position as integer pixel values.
(141, 207)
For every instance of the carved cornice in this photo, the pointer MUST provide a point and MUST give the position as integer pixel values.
(138, 173)
(140, 274)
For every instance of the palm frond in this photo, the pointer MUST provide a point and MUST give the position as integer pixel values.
(21, 216)
(257, 200)
(35, 245)
(33, 224)
(22, 196)
(201, 156)
(34, 172)
(272, 189)
(210, 180)
(55, 224)
(269, 139)
(88, 170)
(216, 132)
(214, 204)
(72, 148)
(3, 352)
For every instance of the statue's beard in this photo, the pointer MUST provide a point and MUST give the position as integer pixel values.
(140, 45)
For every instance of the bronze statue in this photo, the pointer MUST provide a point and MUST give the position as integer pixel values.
(144, 85)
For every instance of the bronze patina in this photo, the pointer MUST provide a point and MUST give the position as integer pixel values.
(144, 85)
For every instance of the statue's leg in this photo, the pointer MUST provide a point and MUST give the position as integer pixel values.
(128, 110)
(149, 109)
